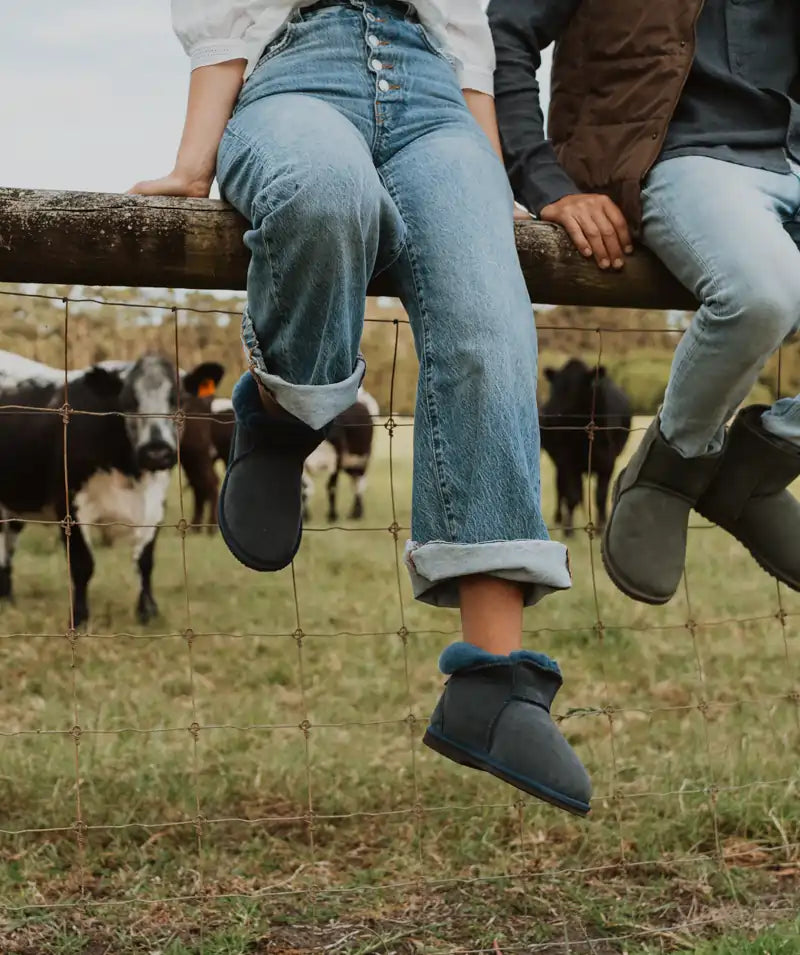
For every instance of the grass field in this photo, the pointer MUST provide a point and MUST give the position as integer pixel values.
(246, 775)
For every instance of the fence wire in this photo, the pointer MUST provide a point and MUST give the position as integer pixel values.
(313, 814)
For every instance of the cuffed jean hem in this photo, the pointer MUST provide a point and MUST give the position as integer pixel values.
(783, 419)
(675, 434)
(435, 568)
(314, 405)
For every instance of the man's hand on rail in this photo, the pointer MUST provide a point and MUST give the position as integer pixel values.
(596, 226)
(175, 184)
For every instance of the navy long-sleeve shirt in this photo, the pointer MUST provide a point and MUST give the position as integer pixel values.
(741, 101)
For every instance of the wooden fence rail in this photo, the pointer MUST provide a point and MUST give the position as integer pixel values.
(84, 238)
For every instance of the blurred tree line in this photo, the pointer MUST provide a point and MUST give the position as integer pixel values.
(636, 346)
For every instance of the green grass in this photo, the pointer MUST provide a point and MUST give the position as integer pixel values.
(261, 786)
(777, 942)
(784, 940)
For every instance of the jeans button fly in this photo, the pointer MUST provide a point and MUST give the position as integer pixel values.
(383, 86)
(373, 40)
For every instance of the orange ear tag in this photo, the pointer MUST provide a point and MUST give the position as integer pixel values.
(206, 388)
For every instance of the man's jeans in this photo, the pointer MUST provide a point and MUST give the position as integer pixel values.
(730, 233)
(351, 151)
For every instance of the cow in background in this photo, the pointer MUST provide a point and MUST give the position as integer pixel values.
(222, 422)
(118, 460)
(198, 450)
(348, 448)
(580, 396)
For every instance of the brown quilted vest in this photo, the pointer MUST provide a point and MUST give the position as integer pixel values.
(618, 73)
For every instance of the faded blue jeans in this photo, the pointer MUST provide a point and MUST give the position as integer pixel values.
(351, 151)
(731, 234)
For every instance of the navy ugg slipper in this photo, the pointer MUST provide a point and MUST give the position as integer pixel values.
(494, 715)
(260, 502)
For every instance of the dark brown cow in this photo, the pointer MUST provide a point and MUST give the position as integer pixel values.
(198, 453)
(582, 397)
(222, 421)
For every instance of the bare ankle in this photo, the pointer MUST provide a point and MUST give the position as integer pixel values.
(491, 613)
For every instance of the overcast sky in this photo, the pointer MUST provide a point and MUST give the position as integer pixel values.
(93, 93)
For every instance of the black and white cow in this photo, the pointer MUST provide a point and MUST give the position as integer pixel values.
(118, 459)
(348, 448)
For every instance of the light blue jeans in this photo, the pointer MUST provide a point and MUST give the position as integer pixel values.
(351, 151)
(731, 234)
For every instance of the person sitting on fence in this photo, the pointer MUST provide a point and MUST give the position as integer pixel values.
(353, 151)
(678, 122)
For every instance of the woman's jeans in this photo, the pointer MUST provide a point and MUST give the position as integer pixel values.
(351, 151)
(731, 234)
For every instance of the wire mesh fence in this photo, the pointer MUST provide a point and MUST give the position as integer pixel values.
(301, 705)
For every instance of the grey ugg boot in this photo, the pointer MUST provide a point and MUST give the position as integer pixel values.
(494, 715)
(749, 498)
(644, 544)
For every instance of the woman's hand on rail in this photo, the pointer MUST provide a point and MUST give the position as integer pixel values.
(212, 94)
(174, 184)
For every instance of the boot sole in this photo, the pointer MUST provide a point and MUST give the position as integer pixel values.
(769, 570)
(466, 757)
(763, 564)
(616, 577)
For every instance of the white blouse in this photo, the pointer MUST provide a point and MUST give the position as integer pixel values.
(212, 31)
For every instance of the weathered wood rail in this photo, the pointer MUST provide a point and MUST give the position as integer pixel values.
(86, 238)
